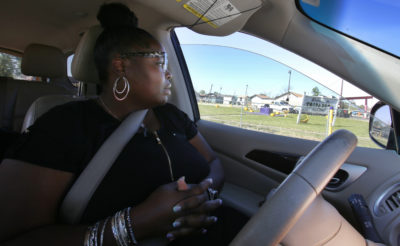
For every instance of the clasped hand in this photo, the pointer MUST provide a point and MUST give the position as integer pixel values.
(173, 213)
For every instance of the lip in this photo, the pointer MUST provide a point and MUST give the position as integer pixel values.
(167, 90)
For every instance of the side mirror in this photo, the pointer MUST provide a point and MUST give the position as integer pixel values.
(380, 126)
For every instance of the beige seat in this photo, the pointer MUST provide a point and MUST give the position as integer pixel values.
(83, 69)
(17, 95)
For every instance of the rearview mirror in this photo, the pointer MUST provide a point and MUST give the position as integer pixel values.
(380, 126)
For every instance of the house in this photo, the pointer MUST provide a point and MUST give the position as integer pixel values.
(259, 100)
(229, 99)
(295, 99)
(241, 100)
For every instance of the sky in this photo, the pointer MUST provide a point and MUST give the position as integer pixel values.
(237, 60)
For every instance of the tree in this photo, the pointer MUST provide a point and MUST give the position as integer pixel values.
(9, 65)
(315, 91)
(202, 92)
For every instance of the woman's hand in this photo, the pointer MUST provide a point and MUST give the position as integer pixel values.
(157, 214)
(195, 213)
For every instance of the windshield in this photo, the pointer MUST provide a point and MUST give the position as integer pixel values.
(375, 22)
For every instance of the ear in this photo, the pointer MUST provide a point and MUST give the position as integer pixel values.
(117, 65)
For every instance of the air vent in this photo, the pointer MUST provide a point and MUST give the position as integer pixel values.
(389, 201)
(393, 201)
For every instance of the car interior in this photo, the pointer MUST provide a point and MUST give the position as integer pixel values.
(296, 190)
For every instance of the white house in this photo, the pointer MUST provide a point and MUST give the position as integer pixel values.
(241, 100)
(295, 99)
(227, 99)
(260, 100)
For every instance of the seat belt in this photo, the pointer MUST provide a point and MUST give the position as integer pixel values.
(78, 197)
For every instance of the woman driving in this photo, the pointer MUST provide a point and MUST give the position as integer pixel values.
(139, 197)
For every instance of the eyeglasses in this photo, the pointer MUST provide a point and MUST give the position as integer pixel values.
(155, 54)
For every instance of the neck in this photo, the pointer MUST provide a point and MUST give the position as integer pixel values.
(117, 109)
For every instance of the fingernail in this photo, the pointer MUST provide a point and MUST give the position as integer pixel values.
(203, 231)
(170, 237)
(177, 208)
(176, 224)
(210, 180)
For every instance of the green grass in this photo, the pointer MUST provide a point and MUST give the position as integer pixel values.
(314, 129)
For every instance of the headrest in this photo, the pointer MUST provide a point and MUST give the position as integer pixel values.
(83, 67)
(44, 61)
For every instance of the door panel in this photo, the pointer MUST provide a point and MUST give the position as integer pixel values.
(248, 182)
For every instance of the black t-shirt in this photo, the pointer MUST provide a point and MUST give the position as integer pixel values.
(67, 137)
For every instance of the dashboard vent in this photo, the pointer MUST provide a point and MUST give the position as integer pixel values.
(389, 201)
(393, 201)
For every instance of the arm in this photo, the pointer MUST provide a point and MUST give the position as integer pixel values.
(216, 170)
(31, 196)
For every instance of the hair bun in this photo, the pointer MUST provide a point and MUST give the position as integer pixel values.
(115, 15)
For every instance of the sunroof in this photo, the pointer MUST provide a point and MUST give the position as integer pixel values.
(375, 22)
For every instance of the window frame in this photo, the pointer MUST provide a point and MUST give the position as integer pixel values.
(186, 75)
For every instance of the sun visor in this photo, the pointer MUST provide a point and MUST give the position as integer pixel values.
(209, 17)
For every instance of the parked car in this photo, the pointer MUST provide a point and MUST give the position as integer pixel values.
(267, 160)
(281, 106)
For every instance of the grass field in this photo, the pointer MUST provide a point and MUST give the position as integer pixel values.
(314, 129)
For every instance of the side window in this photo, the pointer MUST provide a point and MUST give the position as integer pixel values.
(10, 66)
(242, 81)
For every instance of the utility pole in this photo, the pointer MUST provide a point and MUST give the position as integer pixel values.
(209, 94)
(288, 89)
(341, 90)
(241, 109)
(245, 95)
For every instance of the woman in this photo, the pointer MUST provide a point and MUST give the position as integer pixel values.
(45, 162)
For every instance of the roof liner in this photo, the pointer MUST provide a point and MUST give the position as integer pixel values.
(61, 23)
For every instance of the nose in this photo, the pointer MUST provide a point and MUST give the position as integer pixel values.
(168, 75)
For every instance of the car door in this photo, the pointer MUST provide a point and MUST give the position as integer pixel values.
(257, 149)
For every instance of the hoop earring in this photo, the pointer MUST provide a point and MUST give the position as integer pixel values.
(121, 95)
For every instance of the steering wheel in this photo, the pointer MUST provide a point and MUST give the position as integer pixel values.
(279, 214)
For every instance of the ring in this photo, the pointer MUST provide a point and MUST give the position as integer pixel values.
(212, 194)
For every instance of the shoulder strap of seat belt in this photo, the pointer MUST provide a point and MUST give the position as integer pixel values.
(78, 197)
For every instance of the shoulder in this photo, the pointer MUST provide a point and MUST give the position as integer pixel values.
(171, 112)
(176, 120)
(63, 114)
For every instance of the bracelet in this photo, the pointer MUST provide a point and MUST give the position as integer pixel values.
(130, 229)
(121, 227)
(115, 231)
(102, 231)
(91, 235)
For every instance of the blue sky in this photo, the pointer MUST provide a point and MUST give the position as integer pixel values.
(232, 69)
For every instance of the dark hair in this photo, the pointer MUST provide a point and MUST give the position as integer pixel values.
(119, 35)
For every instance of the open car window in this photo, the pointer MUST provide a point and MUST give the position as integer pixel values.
(242, 81)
